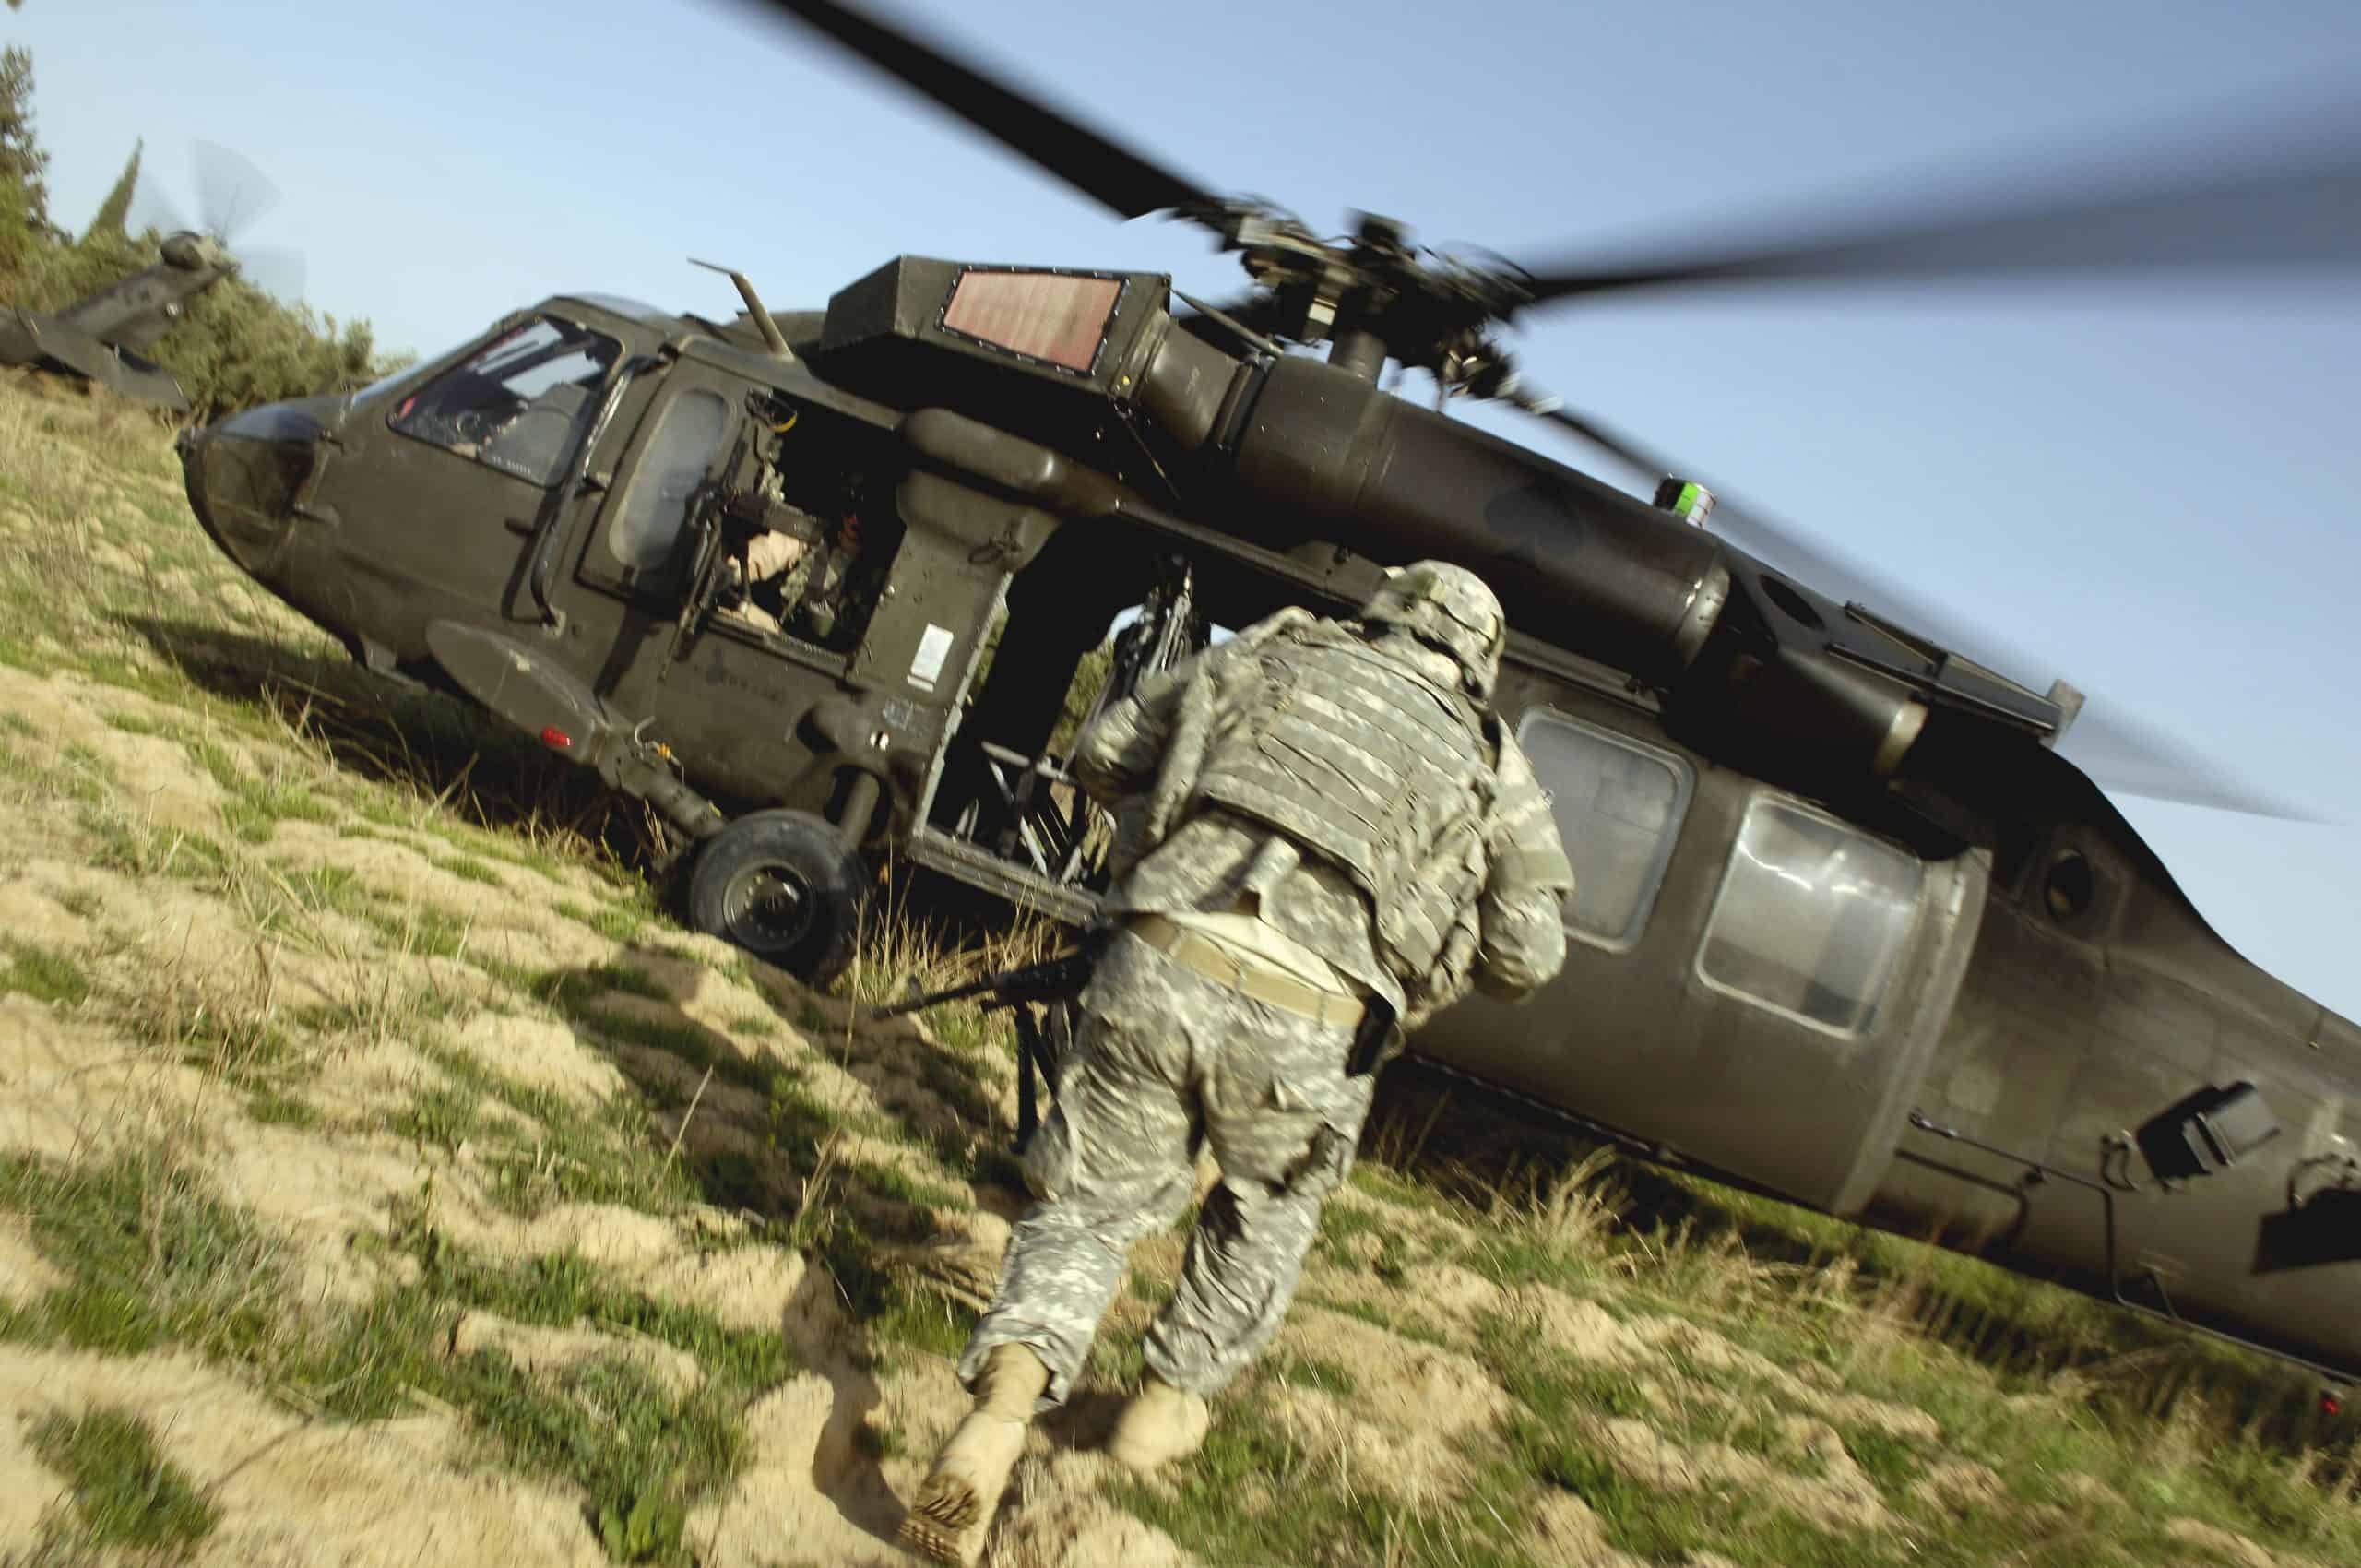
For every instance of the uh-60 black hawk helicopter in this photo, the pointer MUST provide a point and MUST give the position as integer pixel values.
(1848, 928)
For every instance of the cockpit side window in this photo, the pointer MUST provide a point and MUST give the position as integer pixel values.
(1813, 918)
(1619, 806)
(519, 404)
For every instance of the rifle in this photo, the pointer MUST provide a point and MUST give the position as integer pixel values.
(1052, 979)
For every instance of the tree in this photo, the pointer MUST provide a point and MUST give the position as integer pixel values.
(22, 163)
(117, 206)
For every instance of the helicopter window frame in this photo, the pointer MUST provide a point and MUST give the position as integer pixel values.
(1659, 860)
(1900, 937)
(494, 361)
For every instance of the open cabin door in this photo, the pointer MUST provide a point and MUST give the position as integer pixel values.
(1016, 820)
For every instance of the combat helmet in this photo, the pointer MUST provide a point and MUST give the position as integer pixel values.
(1449, 607)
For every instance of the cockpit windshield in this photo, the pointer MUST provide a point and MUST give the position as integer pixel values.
(519, 403)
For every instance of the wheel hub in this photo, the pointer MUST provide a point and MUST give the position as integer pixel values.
(770, 907)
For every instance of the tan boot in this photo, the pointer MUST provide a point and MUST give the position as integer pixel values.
(957, 1501)
(1161, 1423)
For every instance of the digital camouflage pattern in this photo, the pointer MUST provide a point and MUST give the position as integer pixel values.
(1166, 1057)
(1336, 781)
(1381, 772)
(1147, 755)
(1448, 608)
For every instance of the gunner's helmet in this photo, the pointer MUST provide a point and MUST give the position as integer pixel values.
(1448, 608)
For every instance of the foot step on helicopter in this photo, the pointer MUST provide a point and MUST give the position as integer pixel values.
(1851, 926)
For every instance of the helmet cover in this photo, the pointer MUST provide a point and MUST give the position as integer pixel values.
(1449, 607)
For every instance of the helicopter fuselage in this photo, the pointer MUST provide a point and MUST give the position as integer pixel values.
(1845, 928)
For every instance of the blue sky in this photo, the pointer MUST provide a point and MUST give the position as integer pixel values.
(2152, 486)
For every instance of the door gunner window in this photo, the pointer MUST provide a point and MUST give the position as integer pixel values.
(1618, 807)
(664, 478)
(519, 404)
(1811, 917)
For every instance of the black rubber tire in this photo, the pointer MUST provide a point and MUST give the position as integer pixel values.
(785, 886)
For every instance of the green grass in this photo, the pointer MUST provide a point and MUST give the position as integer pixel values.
(139, 849)
(470, 869)
(126, 1495)
(44, 975)
(254, 807)
(755, 1026)
(276, 1108)
(566, 989)
(444, 1117)
(1313, 1371)
(1299, 1512)
(642, 1453)
(926, 1321)
(893, 1185)
(133, 724)
(611, 1153)
(618, 922)
(149, 1256)
(152, 1258)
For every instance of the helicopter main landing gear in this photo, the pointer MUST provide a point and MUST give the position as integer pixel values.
(785, 886)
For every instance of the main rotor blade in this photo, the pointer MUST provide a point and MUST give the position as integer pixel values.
(1090, 161)
(2118, 751)
(232, 193)
(2300, 207)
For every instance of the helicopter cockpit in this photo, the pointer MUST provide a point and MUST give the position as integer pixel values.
(516, 405)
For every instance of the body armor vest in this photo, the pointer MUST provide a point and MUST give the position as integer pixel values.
(1369, 767)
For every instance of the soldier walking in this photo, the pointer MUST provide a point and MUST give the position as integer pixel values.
(1326, 833)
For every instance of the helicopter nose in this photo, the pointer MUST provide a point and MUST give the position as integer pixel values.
(245, 476)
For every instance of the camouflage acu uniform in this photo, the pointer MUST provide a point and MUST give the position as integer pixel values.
(1345, 790)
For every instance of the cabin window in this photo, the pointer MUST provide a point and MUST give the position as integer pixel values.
(671, 464)
(519, 404)
(1812, 917)
(1618, 805)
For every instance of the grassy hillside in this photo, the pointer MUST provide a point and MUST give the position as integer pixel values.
(385, 1178)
